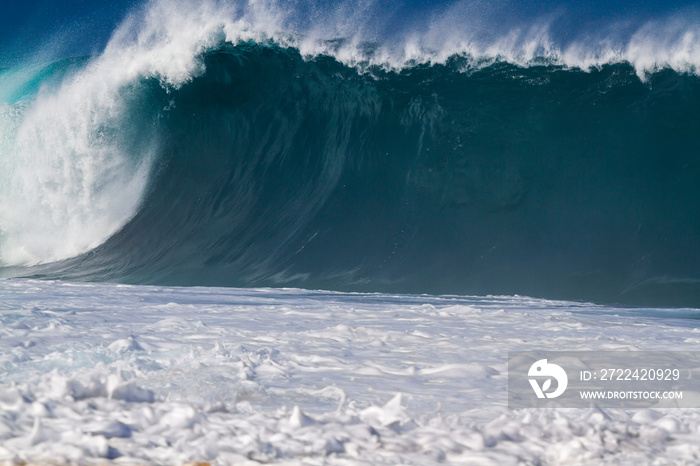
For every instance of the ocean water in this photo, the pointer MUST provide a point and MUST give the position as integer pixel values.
(244, 144)
(463, 179)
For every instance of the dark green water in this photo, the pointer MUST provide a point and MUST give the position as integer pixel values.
(544, 181)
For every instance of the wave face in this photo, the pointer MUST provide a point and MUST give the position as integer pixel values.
(233, 156)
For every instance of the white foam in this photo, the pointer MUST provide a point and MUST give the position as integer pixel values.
(463, 29)
(154, 375)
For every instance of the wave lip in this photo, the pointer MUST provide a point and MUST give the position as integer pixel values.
(76, 157)
(74, 163)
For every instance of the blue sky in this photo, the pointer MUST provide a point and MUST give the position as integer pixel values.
(27, 25)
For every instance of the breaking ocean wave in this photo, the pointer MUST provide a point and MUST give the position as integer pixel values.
(269, 144)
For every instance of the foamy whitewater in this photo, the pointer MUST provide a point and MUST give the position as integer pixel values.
(153, 375)
(167, 201)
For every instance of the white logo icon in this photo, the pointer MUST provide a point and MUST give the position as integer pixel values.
(542, 368)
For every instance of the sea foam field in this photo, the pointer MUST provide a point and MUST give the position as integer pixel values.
(157, 375)
(177, 178)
